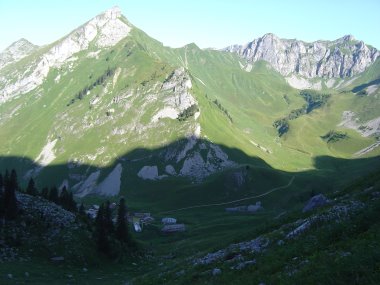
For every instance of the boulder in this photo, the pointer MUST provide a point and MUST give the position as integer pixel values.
(168, 221)
(254, 208)
(216, 271)
(173, 228)
(315, 202)
(237, 209)
(57, 258)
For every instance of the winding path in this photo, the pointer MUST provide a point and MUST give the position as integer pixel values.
(234, 201)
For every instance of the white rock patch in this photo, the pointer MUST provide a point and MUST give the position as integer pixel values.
(194, 166)
(88, 185)
(330, 83)
(303, 83)
(192, 141)
(167, 112)
(47, 154)
(197, 132)
(367, 129)
(110, 186)
(169, 169)
(372, 89)
(148, 173)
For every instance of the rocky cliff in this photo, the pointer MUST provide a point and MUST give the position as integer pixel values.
(342, 58)
(16, 51)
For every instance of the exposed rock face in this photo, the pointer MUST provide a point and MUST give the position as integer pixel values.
(16, 51)
(148, 173)
(179, 99)
(315, 202)
(343, 57)
(351, 121)
(105, 30)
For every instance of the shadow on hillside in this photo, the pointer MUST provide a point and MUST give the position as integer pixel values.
(328, 174)
(365, 85)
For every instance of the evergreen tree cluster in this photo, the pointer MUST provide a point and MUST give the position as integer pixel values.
(188, 112)
(224, 110)
(100, 80)
(106, 231)
(8, 200)
(111, 239)
(314, 100)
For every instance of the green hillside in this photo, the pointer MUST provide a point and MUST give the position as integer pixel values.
(186, 133)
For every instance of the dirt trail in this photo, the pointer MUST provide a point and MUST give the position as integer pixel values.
(234, 201)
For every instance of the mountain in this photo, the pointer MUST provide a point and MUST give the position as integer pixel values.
(107, 111)
(107, 89)
(344, 57)
(16, 52)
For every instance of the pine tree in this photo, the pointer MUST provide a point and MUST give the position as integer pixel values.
(31, 189)
(121, 223)
(13, 180)
(72, 204)
(64, 198)
(53, 195)
(108, 218)
(100, 231)
(1, 198)
(10, 201)
(82, 211)
(45, 193)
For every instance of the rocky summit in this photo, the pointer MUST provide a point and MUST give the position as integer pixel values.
(124, 161)
(344, 57)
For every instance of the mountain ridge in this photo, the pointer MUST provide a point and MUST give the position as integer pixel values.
(343, 57)
(90, 103)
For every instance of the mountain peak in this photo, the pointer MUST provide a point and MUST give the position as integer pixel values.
(112, 13)
(16, 51)
(21, 43)
(269, 36)
(348, 38)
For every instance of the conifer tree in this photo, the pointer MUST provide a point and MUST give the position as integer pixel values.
(13, 180)
(64, 198)
(108, 218)
(45, 193)
(1, 197)
(10, 201)
(82, 211)
(100, 231)
(53, 195)
(72, 205)
(31, 189)
(121, 223)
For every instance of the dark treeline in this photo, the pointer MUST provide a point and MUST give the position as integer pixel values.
(8, 201)
(111, 238)
(100, 80)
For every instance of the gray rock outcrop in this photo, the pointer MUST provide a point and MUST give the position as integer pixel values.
(315, 202)
(16, 51)
(342, 58)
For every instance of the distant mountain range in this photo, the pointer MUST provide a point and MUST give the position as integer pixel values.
(107, 105)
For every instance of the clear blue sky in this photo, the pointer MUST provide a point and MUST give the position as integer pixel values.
(208, 23)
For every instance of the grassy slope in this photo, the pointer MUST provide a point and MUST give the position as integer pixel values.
(254, 100)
